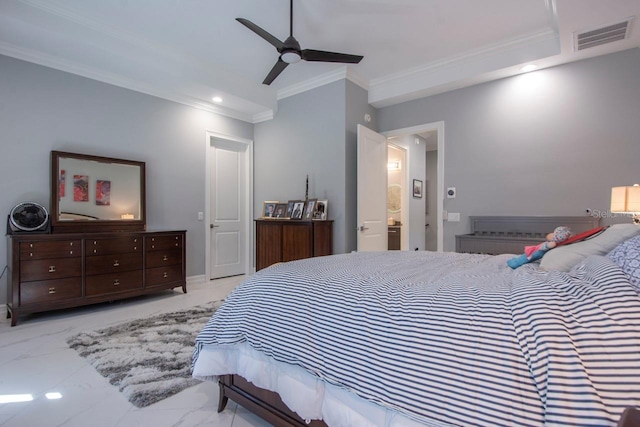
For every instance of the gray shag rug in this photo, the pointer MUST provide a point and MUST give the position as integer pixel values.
(147, 359)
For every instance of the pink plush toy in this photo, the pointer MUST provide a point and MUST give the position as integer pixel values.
(533, 253)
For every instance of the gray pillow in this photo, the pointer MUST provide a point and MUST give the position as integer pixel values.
(563, 258)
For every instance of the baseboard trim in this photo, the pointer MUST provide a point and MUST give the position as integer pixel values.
(192, 280)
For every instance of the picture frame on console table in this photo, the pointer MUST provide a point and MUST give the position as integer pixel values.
(321, 210)
(298, 209)
(309, 207)
(281, 211)
(269, 208)
(290, 204)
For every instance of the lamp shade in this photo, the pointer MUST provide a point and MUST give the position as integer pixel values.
(625, 199)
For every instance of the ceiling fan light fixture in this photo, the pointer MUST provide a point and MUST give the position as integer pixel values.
(291, 57)
(290, 51)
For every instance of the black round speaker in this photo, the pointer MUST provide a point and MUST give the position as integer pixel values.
(28, 216)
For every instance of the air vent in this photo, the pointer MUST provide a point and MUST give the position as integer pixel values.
(603, 35)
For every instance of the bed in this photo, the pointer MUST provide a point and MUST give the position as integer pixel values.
(429, 339)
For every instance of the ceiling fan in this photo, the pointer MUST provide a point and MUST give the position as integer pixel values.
(290, 51)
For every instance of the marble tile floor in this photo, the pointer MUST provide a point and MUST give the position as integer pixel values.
(35, 359)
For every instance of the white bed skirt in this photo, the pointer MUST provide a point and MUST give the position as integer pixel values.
(307, 395)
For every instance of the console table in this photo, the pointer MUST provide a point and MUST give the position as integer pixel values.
(287, 240)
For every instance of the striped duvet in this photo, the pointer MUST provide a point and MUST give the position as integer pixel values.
(449, 338)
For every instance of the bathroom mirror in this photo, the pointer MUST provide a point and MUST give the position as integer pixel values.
(94, 194)
(394, 198)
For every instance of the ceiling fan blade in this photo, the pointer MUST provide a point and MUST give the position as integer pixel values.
(275, 71)
(262, 33)
(323, 56)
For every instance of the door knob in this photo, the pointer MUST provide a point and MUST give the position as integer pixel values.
(213, 226)
(362, 228)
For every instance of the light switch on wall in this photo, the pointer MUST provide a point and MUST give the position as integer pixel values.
(200, 216)
(453, 217)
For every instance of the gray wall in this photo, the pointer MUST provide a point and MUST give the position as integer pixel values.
(314, 133)
(42, 109)
(306, 137)
(550, 142)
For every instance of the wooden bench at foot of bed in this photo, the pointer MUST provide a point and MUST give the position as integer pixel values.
(496, 235)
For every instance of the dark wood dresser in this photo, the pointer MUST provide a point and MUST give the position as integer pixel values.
(54, 271)
(288, 240)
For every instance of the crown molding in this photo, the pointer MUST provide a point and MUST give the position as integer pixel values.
(263, 117)
(321, 80)
(341, 73)
(461, 70)
(482, 53)
(357, 79)
(116, 80)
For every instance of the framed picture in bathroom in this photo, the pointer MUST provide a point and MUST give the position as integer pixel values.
(417, 189)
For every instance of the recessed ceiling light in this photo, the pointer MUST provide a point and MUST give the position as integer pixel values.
(53, 395)
(217, 99)
(529, 67)
(13, 398)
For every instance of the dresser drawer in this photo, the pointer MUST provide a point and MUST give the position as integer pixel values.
(112, 283)
(117, 245)
(163, 257)
(161, 243)
(50, 249)
(45, 269)
(102, 264)
(50, 290)
(162, 275)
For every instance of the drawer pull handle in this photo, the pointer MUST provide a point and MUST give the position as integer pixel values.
(153, 246)
(71, 244)
(95, 251)
(52, 290)
(52, 269)
(116, 282)
(165, 258)
(116, 263)
(30, 245)
(95, 243)
(30, 253)
(70, 252)
(176, 244)
(165, 275)
(135, 240)
(135, 248)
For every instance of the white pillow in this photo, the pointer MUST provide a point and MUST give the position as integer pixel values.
(563, 258)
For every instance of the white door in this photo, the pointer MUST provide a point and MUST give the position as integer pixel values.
(372, 191)
(228, 213)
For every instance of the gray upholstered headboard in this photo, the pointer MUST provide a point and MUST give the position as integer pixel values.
(509, 234)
